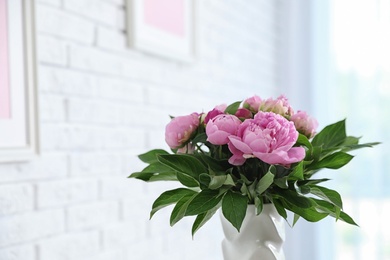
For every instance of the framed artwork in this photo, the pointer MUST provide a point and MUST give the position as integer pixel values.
(18, 113)
(162, 27)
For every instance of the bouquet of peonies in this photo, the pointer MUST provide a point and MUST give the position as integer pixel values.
(253, 152)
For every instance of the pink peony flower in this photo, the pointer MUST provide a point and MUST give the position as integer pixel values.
(269, 137)
(278, 106)
(243, 113)
(221, 127)
(180, 129)
(216, 111)
(253, 103)
(305, 124)
(221, 107)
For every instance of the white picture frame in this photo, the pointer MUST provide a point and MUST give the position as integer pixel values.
(19, 124)
(163, 28)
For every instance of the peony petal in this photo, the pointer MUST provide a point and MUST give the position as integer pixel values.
(294, 155)
(220, 127)
(259, 145)
(272, 158)
(249, 137)
(218, 137)
(297, 154)
(237, 158)
(239, 145)
(211, 128)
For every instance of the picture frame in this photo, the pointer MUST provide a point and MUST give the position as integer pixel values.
(163, 28)
(18, 95)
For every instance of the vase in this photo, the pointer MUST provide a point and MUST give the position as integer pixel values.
(260, 237)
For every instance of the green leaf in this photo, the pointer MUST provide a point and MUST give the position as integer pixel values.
(302, 189)
(310, 214)
(151, 156)
(204, 201)
(217, 181)
(347, 219)
(279, 208)
(258, 205)
(252, 190)
(352, 143)
(157, 167)
(296, 218)
(183, 163)
(169, 197)
(245, 191)
(281, 182)
(234, 207)
(232, 109)
(329, 208)
(180, 208)
(333, 161)
(316, 152)
(187, 180)
(265, 182)
(165, 176)
(329, 195)
(205, 179)
(297, 172)
(312, 181)
(337, 212)
(155, 172)
(303, 140)
(201, 219)
(295, 199)
(358, 146)
(145, 176)
(229, 181)
(331, 136)
(199, 138)
(351, 140)
(215, 164)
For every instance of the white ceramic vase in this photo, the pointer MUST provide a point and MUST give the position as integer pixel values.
(260, 238)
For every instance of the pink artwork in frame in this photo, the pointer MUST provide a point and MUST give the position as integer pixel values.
(167, 15)
(19, 140)
(162, 27)
(5, 111)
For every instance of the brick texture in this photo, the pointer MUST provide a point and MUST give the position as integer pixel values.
(25, 252)
(15, 198)
(101, 103)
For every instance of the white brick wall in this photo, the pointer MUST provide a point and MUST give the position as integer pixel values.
(16, 198)
(31, 226)
(73, 245)
(25, 252)
(102, 103)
